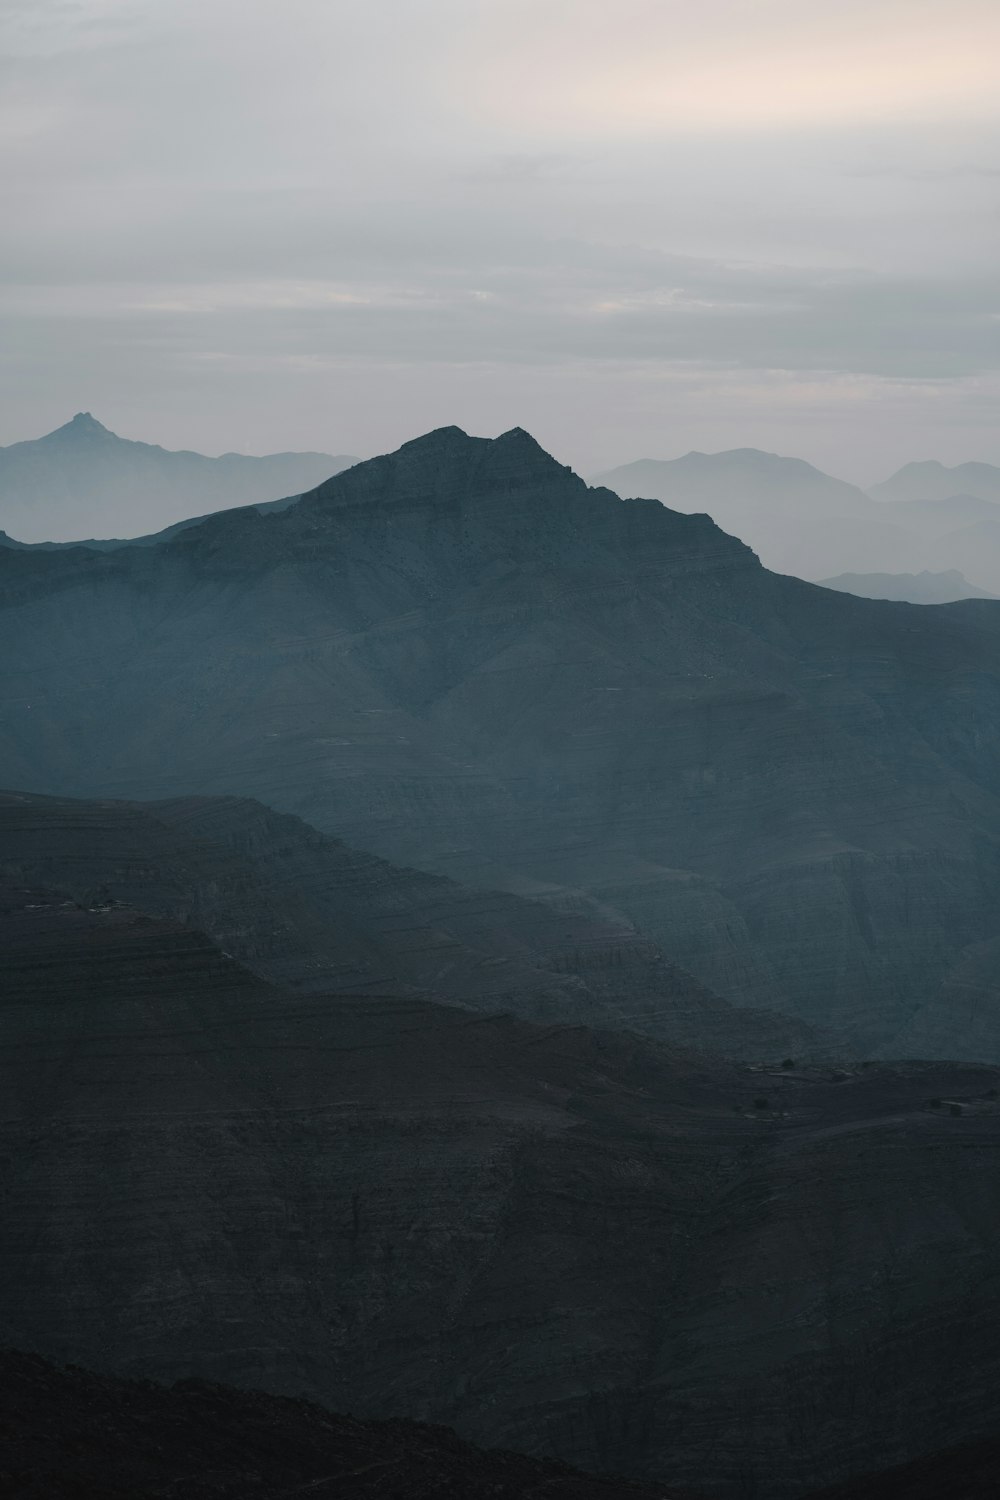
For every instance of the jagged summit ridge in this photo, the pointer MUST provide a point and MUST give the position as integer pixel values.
(447, 464)
(83, 425)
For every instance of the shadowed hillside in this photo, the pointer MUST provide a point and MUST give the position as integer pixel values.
(71, 1435)
(306, 911)
(571, 1243)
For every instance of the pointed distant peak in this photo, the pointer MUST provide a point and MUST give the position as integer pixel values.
(83, 425)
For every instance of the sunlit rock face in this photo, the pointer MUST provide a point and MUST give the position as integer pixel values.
(461, 658)
(577, 1244)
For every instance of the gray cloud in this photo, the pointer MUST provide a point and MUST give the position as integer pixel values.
(225, 222)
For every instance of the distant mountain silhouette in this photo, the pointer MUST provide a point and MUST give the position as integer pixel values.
(739, 476)
(82, 481)
(462, 658)
(801, 521)
(931, 480)
(796, 518)
(916, 588)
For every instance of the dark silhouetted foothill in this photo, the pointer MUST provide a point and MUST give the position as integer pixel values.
(553, 1239)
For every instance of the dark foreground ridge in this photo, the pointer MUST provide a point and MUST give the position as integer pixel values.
(969, 1472)
(72, 1435)
(69, 1434)
(572, 1243)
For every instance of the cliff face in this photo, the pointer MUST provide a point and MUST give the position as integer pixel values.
(571, 1243)
(461, 657)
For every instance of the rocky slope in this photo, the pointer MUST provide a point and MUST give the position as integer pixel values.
(462, 658)
(84, 481)
(574, 1244)
(308, 912)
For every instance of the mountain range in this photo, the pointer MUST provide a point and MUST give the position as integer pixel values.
(914, 588)
(930, 480)
(801, 521)
(473, 946)
(461, 658)
(83, 481)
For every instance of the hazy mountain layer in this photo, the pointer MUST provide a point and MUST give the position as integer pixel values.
(797, 519)
(461, 657)
(152, 539)
(84, 481)
(699, 481)
(801, 521)
(581, 1245)
(915, 588)
(935, 481)
(305, 911)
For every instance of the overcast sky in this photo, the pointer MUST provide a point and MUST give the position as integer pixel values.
(635, 227)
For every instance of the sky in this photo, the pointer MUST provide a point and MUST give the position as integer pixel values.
(634, 228)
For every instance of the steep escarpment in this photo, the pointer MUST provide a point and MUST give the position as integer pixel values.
(310, 913)
(576, 1244)
(462, 658)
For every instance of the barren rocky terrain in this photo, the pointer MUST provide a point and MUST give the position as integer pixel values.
(306, 911)
(571, 1243)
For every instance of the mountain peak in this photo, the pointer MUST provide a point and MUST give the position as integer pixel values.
(444, 465)
(84, 426)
